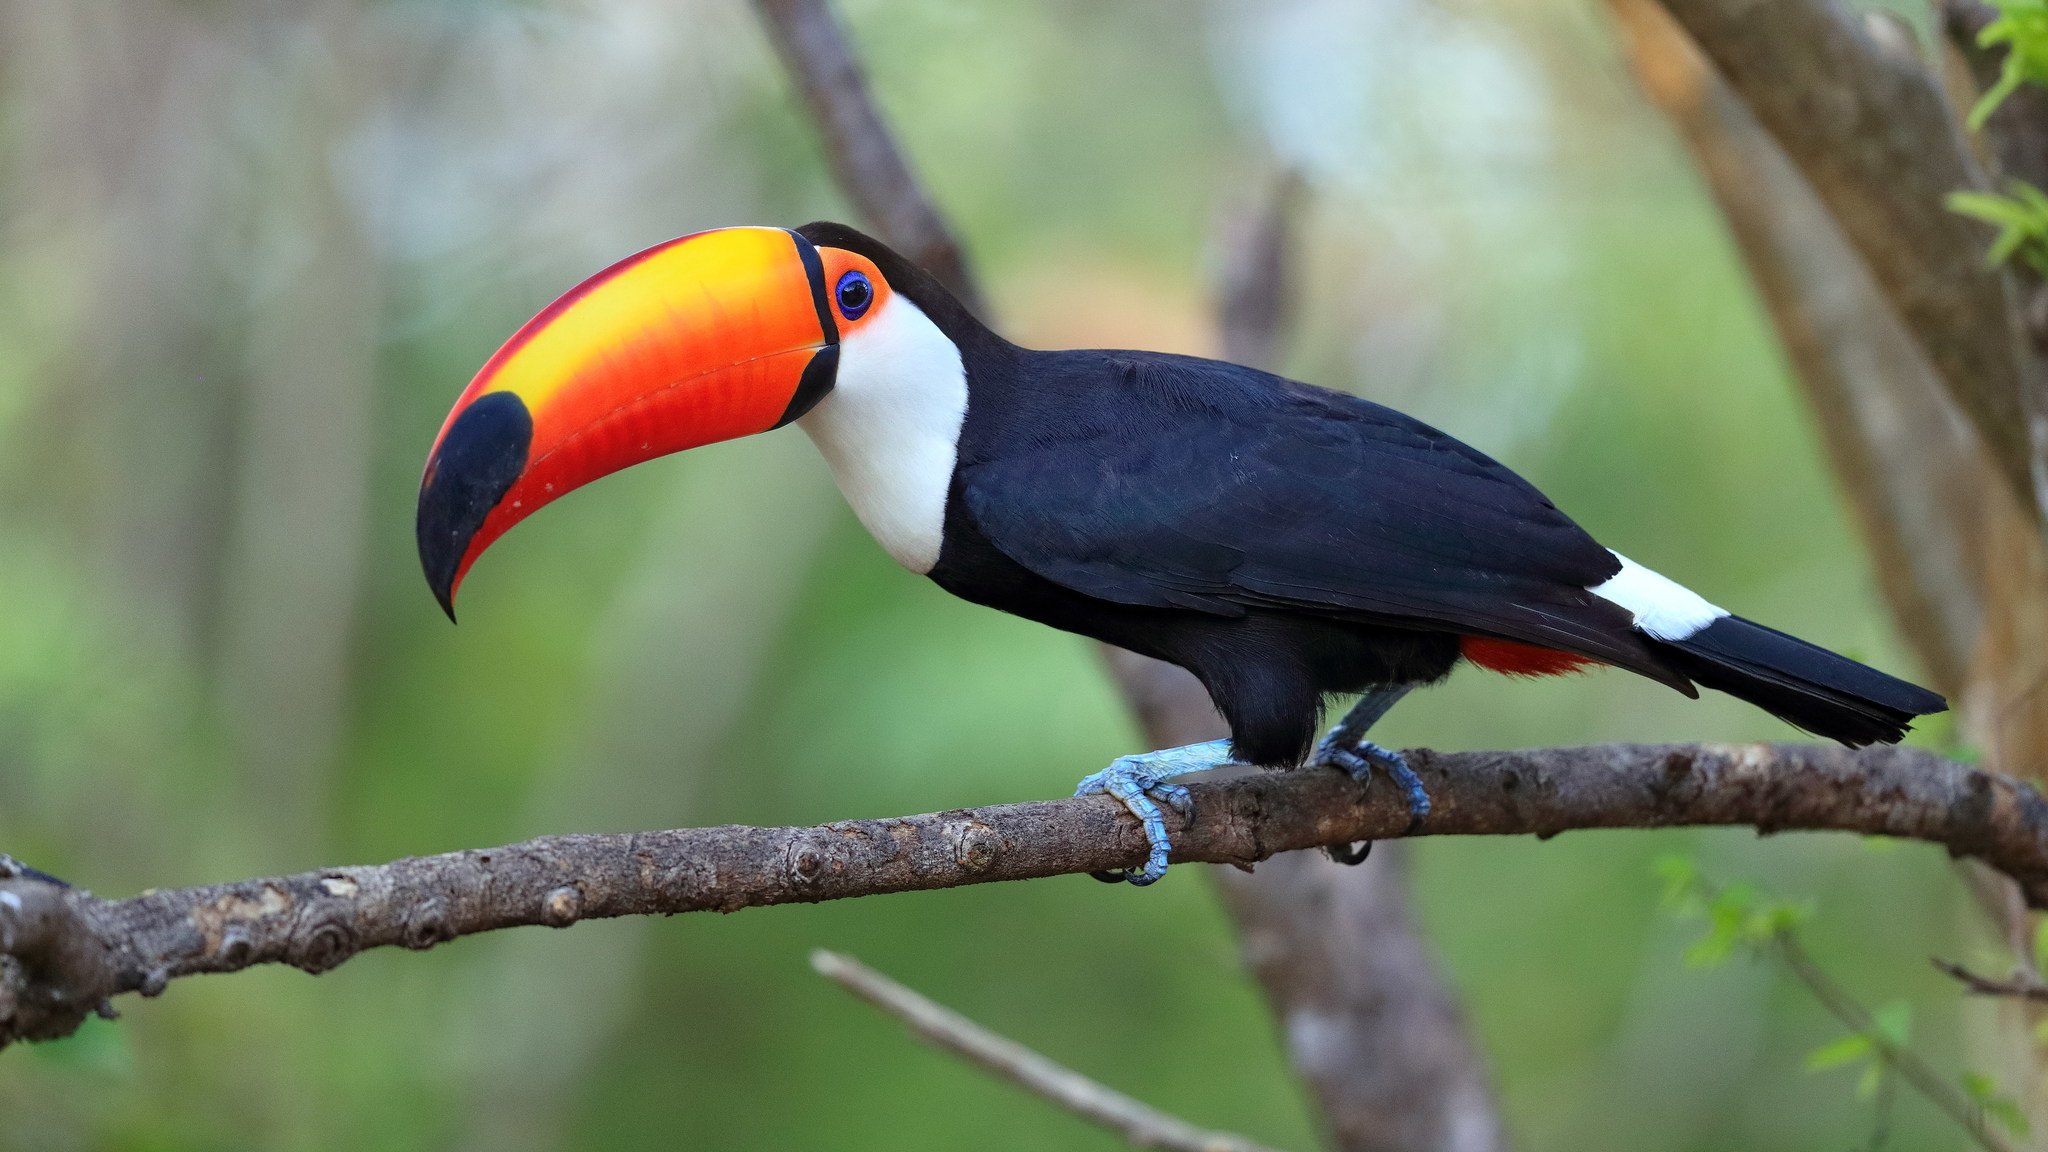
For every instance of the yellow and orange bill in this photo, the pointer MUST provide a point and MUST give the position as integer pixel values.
(709, 337)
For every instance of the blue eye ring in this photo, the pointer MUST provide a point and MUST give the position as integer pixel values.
(854, 295)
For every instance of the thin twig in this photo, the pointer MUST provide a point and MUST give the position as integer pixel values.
(1140, 1123)
(1909, 1066)
(2021, 986)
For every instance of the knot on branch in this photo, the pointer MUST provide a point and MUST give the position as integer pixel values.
(54, 969)
(562, 907)
(975, 846)
(320, 942)
(427, 925)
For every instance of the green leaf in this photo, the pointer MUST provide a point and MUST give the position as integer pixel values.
(2022, 220)
(1683, 885)
(2009, 1115)
(1835, 1053)
(1983, 1092)
(1871, 1080)
(1988, 207)
(1711, 950)
(2022, 26)
(1776, 919)
(2035, 200)
(1894, 1023)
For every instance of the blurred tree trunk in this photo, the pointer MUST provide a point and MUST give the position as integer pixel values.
(1957, 549)
(207, 450)
(1363, 1012)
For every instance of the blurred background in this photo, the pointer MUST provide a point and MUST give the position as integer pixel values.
(250, 251)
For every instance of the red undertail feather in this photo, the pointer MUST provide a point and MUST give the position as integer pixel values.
(1514, 659)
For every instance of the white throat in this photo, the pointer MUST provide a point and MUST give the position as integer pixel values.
(890, 429)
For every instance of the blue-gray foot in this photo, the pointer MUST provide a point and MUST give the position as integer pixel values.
(1358, 757)
(1140, 782)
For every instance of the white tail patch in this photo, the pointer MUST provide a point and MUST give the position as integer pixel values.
(1662, 607)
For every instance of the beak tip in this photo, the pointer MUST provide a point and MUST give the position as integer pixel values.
(479, 458)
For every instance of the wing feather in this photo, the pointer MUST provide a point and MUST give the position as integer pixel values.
(1191, 484)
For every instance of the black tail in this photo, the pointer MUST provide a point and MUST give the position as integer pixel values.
(1800, 683)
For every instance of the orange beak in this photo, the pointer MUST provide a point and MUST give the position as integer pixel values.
(711, 337)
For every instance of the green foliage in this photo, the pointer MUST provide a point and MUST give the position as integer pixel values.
(1738, 915)
(1891, 1030)
(1584, 309)
(2022, 26)
(2021, 218)
(1998, 1106)
(1845, 1050)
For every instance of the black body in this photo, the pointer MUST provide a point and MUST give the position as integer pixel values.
(1284, 542)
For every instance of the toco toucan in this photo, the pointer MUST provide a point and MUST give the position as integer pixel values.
(1280, 541)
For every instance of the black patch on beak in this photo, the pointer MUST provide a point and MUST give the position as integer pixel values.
(818, 378)
(480, 459)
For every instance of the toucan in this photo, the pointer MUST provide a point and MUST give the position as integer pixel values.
(1285, 543)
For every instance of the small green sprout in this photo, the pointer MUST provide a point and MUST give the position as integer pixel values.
(2022, 26)
(1983, 1092)
(2021, 218)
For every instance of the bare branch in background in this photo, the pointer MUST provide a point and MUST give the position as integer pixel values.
(1960, 560)
(1904, 1061)
(1366, 1017)
(1255, 278)
(1423, 1085)
(1914, 473)
(1874, 136)
(1137, 1122)
(865, 160)
(2022, 986)
(67, 951)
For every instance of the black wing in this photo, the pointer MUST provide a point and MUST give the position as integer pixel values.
(1177, 482)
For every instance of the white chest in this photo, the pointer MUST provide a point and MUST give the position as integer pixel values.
(890, 429)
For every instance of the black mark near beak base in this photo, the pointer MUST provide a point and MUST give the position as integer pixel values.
(479, 460)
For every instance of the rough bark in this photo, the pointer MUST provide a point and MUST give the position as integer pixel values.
(1913, 472)
(1960, 560)
(1874, 136)
(66, 951)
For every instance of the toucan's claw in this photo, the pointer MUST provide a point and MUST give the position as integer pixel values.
(1140, 783)
(1346, 855)
(1358, 760)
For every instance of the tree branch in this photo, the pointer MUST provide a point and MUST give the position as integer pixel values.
(1142, 1125)
(1387, 1054)
(1873, 134)
(67, 951)
(862, 153)
(2023, 985)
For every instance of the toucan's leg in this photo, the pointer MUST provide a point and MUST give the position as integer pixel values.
(1139, 781)
(1346, 747)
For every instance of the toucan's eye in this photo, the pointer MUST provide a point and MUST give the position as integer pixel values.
(855, 294)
